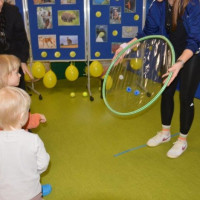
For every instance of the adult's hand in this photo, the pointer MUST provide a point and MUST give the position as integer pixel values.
(26, 70)
(175, 70)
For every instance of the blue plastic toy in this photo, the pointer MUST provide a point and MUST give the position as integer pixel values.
(136, 92)
(128, 89)
(46, 189)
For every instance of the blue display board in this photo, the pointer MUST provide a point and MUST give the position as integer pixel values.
(113, 22)
(18, 3)
(57, 29)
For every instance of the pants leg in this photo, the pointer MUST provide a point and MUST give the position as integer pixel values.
(38, 197)
(167, 103)
(22, 84)
(189, 80)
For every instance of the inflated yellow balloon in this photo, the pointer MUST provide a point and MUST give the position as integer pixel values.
(86, 70)
(26, 76)
(136, 63)
(109, 82)
(71, 73)
(38, 69)
(96, 68)
(50, 79)
(134, 48)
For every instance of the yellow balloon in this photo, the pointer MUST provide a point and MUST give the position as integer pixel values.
(26, 76)
(50, 79)
(134, 48)
(71, 73)
(109, 82)
(38, 69)
(86, 70)
(136, 63)
(96, 68)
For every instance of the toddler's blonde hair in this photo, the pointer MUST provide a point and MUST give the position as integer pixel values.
(14, 107)
(8, 63)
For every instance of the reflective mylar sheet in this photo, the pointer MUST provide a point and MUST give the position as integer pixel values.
(136, 81)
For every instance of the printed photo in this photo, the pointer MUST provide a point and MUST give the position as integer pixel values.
(101, 2)
(129, 6)
(68, 18)
(44, 17)
(115, 15)
(43, 2)
(101, 33)
(68, 41)
(47, 41)
(68, 2)
(12, 2)
(129, 31)
(115, 46)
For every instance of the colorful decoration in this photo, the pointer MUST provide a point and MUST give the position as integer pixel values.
(50, 79)
(38, 69)
(71, 72)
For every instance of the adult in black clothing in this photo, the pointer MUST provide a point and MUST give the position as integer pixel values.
(13, 38)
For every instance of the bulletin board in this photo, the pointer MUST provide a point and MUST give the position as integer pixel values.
(57, 29)
(113, 22)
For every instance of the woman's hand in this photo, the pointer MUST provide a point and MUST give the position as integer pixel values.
(119, 60)
(26, 70)
(175, 70)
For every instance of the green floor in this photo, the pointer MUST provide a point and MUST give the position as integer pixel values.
(85, 140)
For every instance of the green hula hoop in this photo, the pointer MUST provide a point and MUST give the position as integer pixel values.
(161, 90)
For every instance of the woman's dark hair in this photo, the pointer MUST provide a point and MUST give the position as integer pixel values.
(3, 42)
(178, 11)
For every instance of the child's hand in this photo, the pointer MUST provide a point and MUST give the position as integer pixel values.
(42, 118)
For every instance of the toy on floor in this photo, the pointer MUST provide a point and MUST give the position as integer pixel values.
(85, 94)
(72, 94)
(46, 189)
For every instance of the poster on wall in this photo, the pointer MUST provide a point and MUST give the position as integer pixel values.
(57, 29)
(12, 2)
(101, 2)
(36, 2)
(115, 15)
(68, 1)
(101, 33)
(68, 18)
(113, 23)
(69, 41)
(44, 17)
(130, 6)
